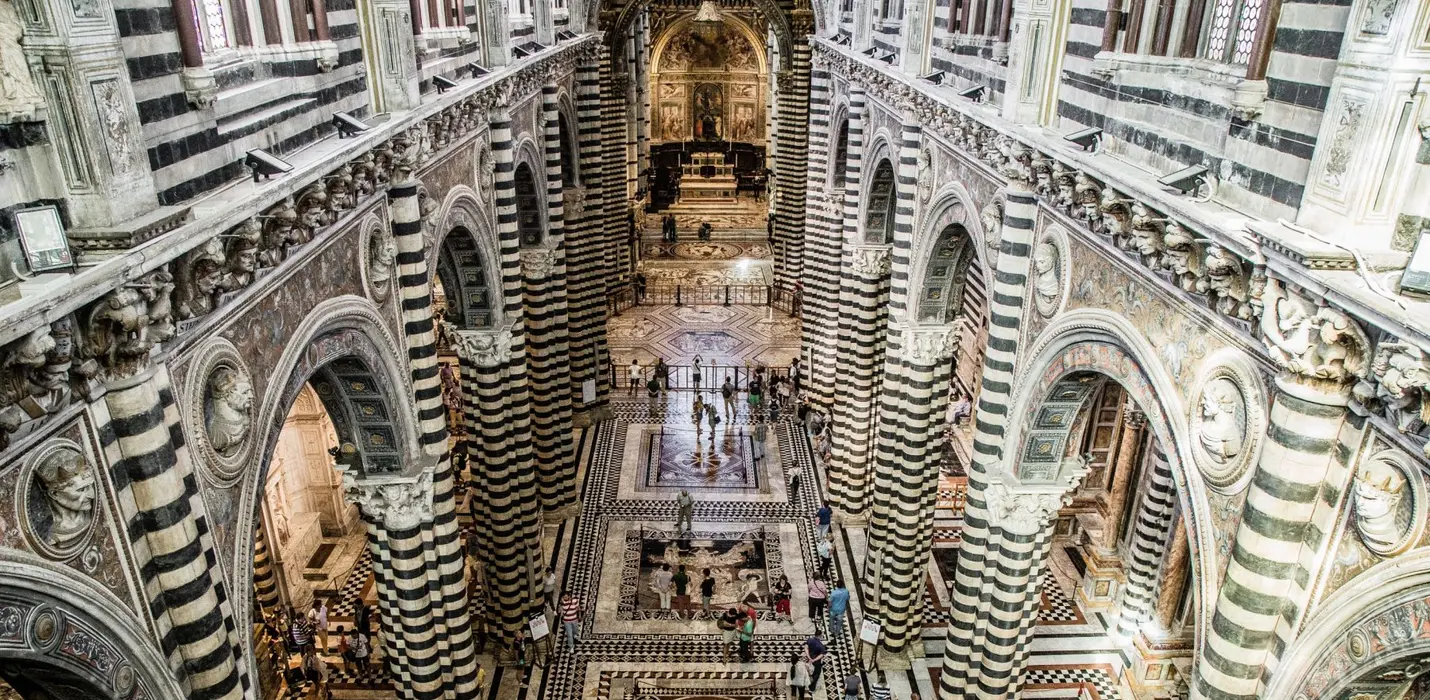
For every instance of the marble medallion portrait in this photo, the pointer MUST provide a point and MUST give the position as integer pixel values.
(1227, 420)
(1388, 499)
(58, 504)
(1049, 271)
(219, 396)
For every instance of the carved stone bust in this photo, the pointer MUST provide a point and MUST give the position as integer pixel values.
(230, 410)
(61, 502)
(1221, 429)
(1382, 506)
(1047, 277)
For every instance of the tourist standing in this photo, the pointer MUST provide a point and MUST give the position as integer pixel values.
(682, 591)
(782, 591)
(799, 671)
(760, 432)
(315, 671)
(838, 605)
(571, 619)
(729, 623)
(754, 394)
(661, 584)
(361, 650)
(652, 389)
(818, 596)
(815, 651)
(520, 645)
(699, 414)
(318, 618)
(713, 418)
(879, 689)
(549, 585)
(635, 375)
(695, 366)
(822, 518)
(685, 510)
(793, 474)
(727, 392)
(747, 637)
(662, 374)
(795, 375)
(851, 687)
(300, 631)
(345, 650)
(707, 591)
(825, 549)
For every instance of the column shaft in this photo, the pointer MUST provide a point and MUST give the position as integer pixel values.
(613, 142)
(1174, 577)
(157, 500)
(265, 582)
(863, 321)
(989, 428)
(1149, 540)
(545, 319)
(822, 247)
(790, 163)
(824, 362)
(1301, 447)
(585, 263)
(1129, 451)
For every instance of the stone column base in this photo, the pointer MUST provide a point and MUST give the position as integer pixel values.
(901, 660)
(1160, 663)
(1102, 582)
(851, 519)
(563, 513)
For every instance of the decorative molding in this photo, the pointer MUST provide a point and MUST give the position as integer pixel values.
(871, 261)
(1023, 512)
(930, 346)
(538, 263)
(489, 349)
(399, 504)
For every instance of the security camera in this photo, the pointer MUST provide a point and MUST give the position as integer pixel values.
(266, 164)
(443, 84)
(348, 125)
(1188, 180)
(974, 93)
(1088, 139)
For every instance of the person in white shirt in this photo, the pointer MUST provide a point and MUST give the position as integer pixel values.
(661, 583)
(636, 379)
(318, 618)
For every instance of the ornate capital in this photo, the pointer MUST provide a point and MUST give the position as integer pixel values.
(1314, 346)
(1023, 512)
(1134, 417)
(481, 348)
(400, 504)
(871, 261)
(537, 263)
(931, 346)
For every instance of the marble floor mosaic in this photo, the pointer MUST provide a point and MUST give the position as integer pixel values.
(728, 336)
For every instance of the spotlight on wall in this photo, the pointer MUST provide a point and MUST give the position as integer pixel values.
(889, 57)
(1187, 180)
(478, 71)
(266, 164)
(519, 52)
(974, 93)
(842, 40)
(935, 77)
(871, 51)
(348, 125)
(565, 35)
(1088, 139)
(443, 84)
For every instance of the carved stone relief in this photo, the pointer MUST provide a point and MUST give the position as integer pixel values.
(218, 396)
(1050, 272)
(1349, 115)
(1313, 345)
(20, 98)
(381, 257)
(229, 410)
(1389, 508)
(1228, 421)
(59, 499)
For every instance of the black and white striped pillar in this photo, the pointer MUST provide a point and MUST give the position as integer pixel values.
(1305, 454)
(617, 248)
(824, 372)
(584, 233)
(792, 133)
(863, 321)
(823, 245)
(157, 496)
(437, 546)
(265, 581)
(544, 315)
(991, 420)
(1149, 540)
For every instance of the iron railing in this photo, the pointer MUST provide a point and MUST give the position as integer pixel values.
(788, 300)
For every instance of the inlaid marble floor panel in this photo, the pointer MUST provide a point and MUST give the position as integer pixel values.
(728, 336)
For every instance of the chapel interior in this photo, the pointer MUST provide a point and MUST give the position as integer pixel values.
(714, 349)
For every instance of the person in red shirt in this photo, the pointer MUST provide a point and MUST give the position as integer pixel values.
(571, 618)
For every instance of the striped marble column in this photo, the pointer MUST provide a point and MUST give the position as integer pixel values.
(824, 365)
(913, 401)
(439, 544)
(990, 424)
(265, 582)
(792, 132)
(157, 498)
(1019, 542)
(863, 320)
(543, 272)
(1149, 540)
(617, 248)
(1302, 452)
(398, 511)
(585, 226)
(820, 319)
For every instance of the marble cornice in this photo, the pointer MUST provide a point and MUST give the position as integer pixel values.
(234, 205)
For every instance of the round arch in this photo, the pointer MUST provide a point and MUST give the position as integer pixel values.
(1100, 341)
(571, 175)
(838, 151)
(462, 210)
(880, 200)
(950, 206)
(530, 206)
(54, 609)
(774, 14)
(1366, 627)
(338, 329)
(657, 54)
